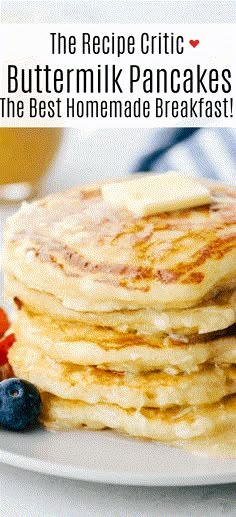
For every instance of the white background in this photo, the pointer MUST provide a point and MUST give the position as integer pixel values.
(27, 45)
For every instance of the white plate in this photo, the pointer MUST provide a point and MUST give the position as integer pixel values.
(106, 457)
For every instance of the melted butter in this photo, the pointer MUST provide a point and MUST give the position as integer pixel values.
(220, 445)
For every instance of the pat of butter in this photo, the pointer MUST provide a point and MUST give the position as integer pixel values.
(156, 193)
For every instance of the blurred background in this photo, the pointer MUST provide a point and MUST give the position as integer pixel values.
(122, 11)
(37, 161)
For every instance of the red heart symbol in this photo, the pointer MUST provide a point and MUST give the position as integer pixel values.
(194, 42)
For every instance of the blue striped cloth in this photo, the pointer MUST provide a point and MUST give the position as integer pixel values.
(208, 152)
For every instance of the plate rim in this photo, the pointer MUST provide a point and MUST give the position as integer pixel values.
(110, 476)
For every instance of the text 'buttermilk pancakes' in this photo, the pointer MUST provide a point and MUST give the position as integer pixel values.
(126, 313)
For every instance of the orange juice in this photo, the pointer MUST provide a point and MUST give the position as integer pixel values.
(26, 153)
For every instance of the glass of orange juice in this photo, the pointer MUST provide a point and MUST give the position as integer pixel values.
(25, 155)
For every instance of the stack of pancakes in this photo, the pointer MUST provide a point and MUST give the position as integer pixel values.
(126, 322)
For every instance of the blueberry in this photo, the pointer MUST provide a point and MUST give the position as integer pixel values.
(20, 404)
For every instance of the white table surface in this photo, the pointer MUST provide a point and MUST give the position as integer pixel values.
(29, 494)
(26, 494)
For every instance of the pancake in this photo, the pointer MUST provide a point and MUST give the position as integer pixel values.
(91, 257)
(126, 322)
(84, 344)
(93, 385)
(156, 424)
(216, 314)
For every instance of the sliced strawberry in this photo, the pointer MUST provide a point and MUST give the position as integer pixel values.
(5, 344)
(4, 323)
